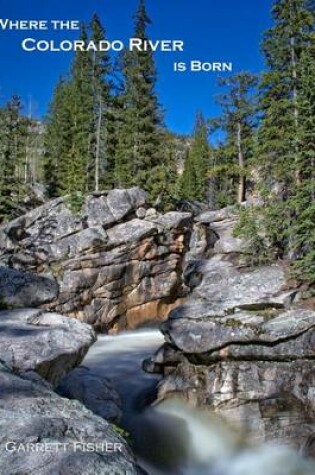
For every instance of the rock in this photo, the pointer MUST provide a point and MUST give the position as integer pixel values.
(20, 289)
(151, 214)
(253, 367)
(246, 334)
(48, 343)
(189, 206)
(123, 202)
(95, 392)
(174, 220)
(111, 266)
(42, 433)
(237, 346)
(202, 240)
(271, 401)
(225, 288)
(140, 213)
(130, 232)
(216, 216)
(227, 243)
(114, 207)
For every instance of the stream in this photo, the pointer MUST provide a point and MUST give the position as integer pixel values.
(172, 438)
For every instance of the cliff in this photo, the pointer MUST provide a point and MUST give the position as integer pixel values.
(117, 262)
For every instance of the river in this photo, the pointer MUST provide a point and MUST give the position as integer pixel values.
(173, 439)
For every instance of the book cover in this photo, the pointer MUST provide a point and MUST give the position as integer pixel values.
(157, 231)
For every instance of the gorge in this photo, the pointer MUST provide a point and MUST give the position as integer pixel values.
(236, 358)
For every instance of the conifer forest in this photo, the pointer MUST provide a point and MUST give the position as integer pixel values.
(105, 129)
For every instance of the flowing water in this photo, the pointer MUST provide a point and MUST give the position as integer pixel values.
(172, 438)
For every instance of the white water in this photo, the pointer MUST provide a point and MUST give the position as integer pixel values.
(172, 438)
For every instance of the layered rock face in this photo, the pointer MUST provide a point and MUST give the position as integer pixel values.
(240, 346)
(117, 263)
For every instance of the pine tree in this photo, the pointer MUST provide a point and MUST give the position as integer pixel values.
(57, 137)
(302, 229)
(70, 129)
(103, 137)
(222, 176)
(277, 146)
(238, 121)
(278, 149)
(283, 152)
(13, 139)
(194, 181)
(139, 158)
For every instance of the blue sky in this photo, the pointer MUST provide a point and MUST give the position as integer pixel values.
(213, 30)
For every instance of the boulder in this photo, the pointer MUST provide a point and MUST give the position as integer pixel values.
(112, 207)
(280, 335)
(215, 216)
(20, 289)
(48, 343)
(95, 392)
(224, 287)
(43, 433)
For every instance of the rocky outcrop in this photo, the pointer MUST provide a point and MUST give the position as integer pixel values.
(48, 343)
(94, 391)
(239, 346)
(21, 289)
(43, 434)
(117, 263)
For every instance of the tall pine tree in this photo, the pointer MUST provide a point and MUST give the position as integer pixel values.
(283, 155)
(194, 181)
(140, 158)
(13, 140)
(302, 228)
(103, 134)
(238, 121)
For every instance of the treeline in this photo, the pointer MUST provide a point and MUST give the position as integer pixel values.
(281, 153)
(21, 158)
(105, 126)
(267, 146)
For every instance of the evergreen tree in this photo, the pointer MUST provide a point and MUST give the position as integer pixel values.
(302, 229)
(104, 137)
(69, 133)
(238, 121)
(57, 138)
(194, 181)
(13, 139)
(277, 145)
(139, 158)
(222, 176)
(284, 152)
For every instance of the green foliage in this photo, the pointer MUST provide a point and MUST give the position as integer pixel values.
(238, 121)
(140, 158)
(285, 151)
(78, 141)
(13, 146)
(301, 233)
(253, 228)
(75, 202)
(105, 133)
(193, 184)
(122, 433)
